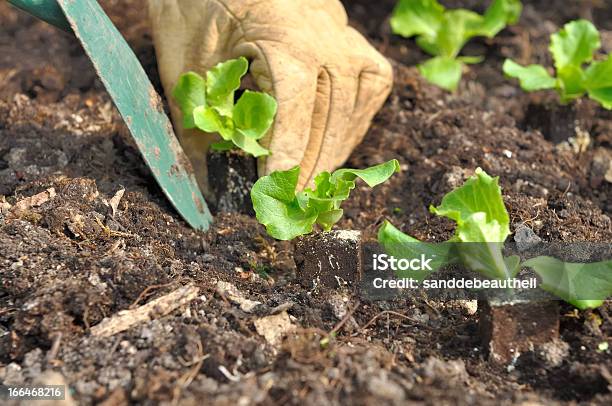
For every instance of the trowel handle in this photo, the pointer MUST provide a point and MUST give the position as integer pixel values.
(46, 10)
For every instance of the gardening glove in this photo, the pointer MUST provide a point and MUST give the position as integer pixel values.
(329, 82)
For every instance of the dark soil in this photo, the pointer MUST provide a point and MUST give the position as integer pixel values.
(71, 261)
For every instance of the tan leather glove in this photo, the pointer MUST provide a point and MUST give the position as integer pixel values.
(328, 80)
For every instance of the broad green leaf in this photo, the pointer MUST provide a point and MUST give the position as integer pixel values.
(499, 14)
(443, 33)
(582, 285)
(480, 194)
(417, 17)
(480, 248)
(221, 83)
(287, 215)
(276, 206)
(570, 83)
(532, 77)
(373, 176)
(248, 144)
(403, 246)
(190, 92)
(209, 106)
(598, 82)
(222, 146)
(470, 60)
(574, 44)
(513, 264)
(442, 72)
(254, 114)
(327, 219)
(457, 28)
(209, 120)
(428, 44)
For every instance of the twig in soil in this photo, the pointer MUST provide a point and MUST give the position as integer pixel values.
(391, 312)
(567, 189)
(526, 50)
(342, 322)
(228, 374)
(112, 233)
(146, 291)
(430, 306)
(185, 380)
(52, 354)
(159, 307)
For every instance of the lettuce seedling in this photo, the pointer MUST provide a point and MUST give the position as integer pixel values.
(572, 47)
(287, 214)
(208, 105)
(482, 227)
(443, 33)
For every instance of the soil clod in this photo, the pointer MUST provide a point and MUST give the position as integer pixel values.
(508, 328)
(332, 259)
(231, 176)
(557, 122)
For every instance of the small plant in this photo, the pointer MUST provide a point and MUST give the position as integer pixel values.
(572, 47)
(443, 33)
(208, 104)
(482, 227)
(287, 214)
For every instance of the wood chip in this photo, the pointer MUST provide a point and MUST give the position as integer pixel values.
(273, 328)
(114, 202)
(33, 201)
(159, 307)
(232, 293)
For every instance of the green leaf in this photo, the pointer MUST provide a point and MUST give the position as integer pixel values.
(190, 92)
(574, 44)
(442, 72)
(373, 176)
(570, 83)
(403, 246)
(532, 77)
(499, 14)
(222, 146)
(327, 219)
(209, 106)
(479, 247)
(470, 60)
(417, 17)
(443, 33)
(221, 83)
(457, 28)
(428, 44)
(287, 215)
(582, 285)
(480, 194)
(598, 82)
(209, 120)
(483, 224)
(277, 208)
(254, 114)
(248, 144)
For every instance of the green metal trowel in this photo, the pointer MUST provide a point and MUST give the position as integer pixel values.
(134, 95)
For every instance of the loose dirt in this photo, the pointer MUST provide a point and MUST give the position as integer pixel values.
(70, 261)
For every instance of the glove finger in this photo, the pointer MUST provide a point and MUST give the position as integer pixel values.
(375, 81)
(336, 142)
(334, 8)
(293, 82)
(318, 128)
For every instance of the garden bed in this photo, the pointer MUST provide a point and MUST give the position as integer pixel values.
(72, 257)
